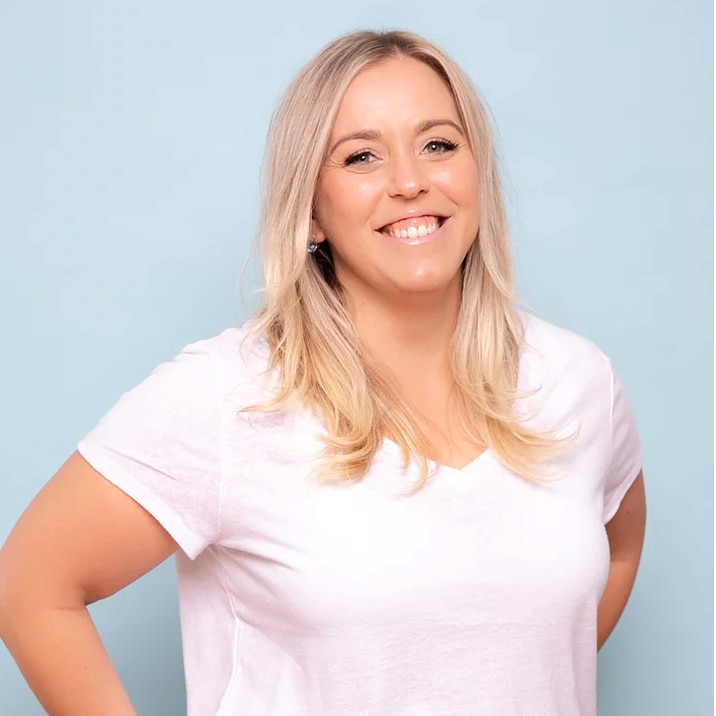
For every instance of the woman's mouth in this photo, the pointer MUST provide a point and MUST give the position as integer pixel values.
(416, 230)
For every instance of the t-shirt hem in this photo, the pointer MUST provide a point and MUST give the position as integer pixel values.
(612, 506)
(167, 518)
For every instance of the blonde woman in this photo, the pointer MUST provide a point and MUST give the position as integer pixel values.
(390, 492)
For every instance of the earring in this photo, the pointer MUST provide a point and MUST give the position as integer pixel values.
(312, 245)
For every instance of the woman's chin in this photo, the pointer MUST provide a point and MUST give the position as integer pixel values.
(427, 282)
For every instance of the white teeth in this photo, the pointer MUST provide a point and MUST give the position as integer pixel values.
(413, 232)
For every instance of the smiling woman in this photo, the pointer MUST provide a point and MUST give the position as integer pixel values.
(389, 492)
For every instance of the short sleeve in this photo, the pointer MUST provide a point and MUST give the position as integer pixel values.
(626, 454)
(161, 444)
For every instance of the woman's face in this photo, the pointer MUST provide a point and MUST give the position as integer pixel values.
(397, 197)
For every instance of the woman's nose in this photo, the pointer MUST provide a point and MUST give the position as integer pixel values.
(406, 177)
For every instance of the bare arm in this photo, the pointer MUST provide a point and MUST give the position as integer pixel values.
(625, 532)
(80, 540)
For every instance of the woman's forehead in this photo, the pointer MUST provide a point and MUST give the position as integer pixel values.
(400, 90)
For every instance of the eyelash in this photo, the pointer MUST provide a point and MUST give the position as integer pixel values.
(354, 157)
(445, 144)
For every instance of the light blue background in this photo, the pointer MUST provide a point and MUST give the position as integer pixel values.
(130, 140)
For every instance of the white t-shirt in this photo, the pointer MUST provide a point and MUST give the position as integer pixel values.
(477, 595)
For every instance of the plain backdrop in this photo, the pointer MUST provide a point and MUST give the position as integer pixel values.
(131, 135)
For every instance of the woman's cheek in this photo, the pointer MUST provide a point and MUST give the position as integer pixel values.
(459, 179)
(369, 188)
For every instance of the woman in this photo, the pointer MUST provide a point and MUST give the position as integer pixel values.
(388, 493)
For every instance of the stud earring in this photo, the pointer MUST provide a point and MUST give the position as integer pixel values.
(312, 245)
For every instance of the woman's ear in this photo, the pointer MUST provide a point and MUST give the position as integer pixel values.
(317, 233)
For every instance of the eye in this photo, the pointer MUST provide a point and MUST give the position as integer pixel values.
(440, 146)
(359, 158)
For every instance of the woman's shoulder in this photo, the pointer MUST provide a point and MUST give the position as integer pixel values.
(200, 378)
(558, 345)
(560, 360)
(237, 346)
(237, 356)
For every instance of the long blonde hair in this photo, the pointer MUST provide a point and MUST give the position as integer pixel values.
(314, 347)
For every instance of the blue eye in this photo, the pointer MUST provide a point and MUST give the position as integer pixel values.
(359, 158)
(440, 146)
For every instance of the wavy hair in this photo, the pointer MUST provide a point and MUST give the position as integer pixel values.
(314, 348)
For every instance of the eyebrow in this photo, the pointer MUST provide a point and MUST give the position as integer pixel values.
(420, 128)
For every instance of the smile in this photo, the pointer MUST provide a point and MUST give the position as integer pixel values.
(414, 229)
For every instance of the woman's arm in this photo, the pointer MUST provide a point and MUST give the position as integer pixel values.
(80, 540)
(625, 532)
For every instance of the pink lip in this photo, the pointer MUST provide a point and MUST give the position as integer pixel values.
(413, 215)
(418, 240)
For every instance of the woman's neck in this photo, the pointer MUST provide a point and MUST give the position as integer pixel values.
(409, 335)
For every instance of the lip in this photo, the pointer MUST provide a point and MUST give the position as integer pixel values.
(418, 240)
(413, 215)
